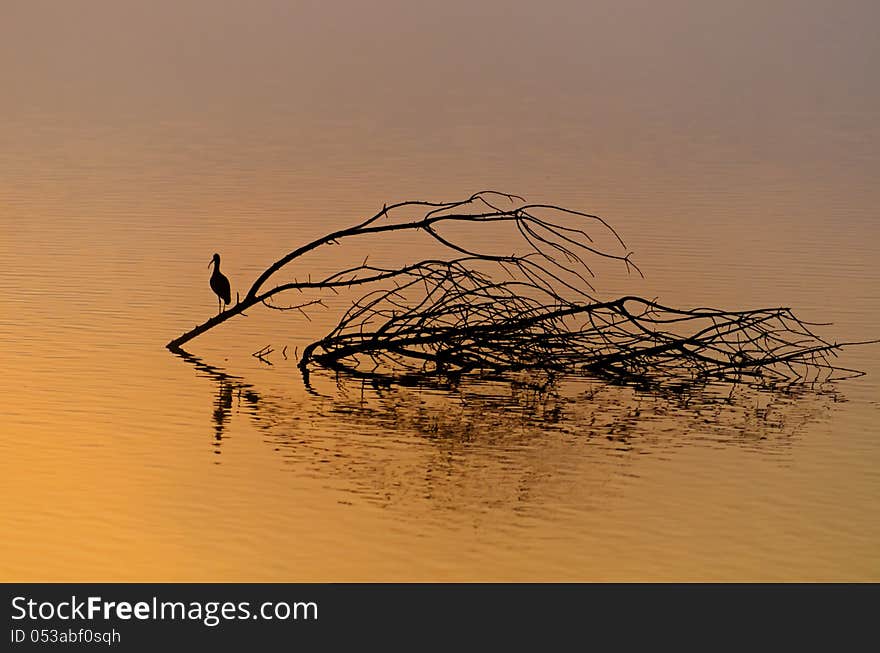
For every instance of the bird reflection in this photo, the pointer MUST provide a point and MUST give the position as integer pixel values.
(229, 387)
(222, 407)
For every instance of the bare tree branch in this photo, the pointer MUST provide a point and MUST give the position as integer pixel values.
(534, 310)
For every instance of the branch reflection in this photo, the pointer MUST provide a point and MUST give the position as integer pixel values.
(514, 442)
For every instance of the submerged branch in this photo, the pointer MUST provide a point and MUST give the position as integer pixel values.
(480, 311)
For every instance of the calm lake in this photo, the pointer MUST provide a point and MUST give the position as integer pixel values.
(734, 146)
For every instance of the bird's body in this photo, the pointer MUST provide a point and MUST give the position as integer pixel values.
(220, 284)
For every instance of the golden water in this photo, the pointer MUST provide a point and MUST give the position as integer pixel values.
(735, 148)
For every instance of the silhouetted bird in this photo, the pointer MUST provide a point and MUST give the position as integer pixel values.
(219, 283)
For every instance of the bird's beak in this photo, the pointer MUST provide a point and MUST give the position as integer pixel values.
(211, 263)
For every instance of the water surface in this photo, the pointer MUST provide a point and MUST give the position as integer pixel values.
(735, 148)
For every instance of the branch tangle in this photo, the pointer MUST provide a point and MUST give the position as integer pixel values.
(447, 318)
(532, 310)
